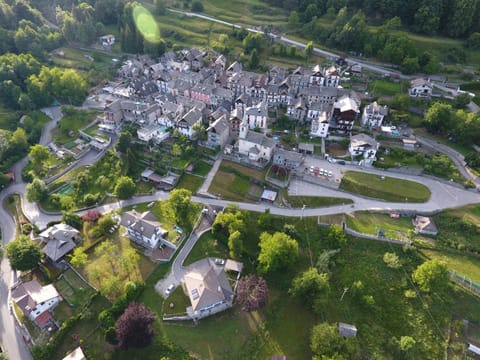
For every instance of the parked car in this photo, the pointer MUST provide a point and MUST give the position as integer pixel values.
(169, 289)
(341, 162)
(330, 174)
(218, 261)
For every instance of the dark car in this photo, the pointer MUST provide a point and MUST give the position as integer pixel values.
(341, 162)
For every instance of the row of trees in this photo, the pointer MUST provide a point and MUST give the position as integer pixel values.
(455, 18)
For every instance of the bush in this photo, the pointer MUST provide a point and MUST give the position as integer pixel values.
(197, 6)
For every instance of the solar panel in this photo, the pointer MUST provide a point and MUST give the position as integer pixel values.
(194, 294)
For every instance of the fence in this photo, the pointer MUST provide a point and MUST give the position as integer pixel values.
(465, 282)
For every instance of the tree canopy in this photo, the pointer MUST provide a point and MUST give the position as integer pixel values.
(134, 326)
(277, 251)
(432, 276)
(125, 188)
(23, 253)
(252, 292)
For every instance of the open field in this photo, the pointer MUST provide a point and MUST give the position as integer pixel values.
(315, 201)
(384, 187)
(385, 88)
(190, 182)
(372, 223)
(72, 121)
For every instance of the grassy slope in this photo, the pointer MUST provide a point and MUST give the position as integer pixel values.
(388, 189)
(370, 223)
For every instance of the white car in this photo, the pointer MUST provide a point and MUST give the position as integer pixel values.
(169, 289)
(218, 261)
(330, 174)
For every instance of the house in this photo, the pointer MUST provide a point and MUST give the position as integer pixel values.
(186, 123)
(76, 354)
(363, 145)
(424, 225)
(256, 116)
(258, 147)
(373, 115)
(107, 40)
(289, 160)
(60, 239)
(320, 125)
(347, 330)
(154, 132)
(113, 115)
(218, 133)
(144, 229)
(345, 111)
(297, 109)
(208, 288)
(37, 301)
(420, 88)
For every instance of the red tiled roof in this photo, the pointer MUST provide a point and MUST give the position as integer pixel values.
(43, 318)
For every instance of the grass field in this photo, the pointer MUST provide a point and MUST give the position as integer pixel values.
(206, 246)
(371, 223)
(190, 182)
(315, 201)
(179, 301)
(463, 263)
(73, 289)
(72, 121)
(384, 188)
(385, 88)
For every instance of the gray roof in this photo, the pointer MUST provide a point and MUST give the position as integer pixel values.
(258, 110)
(192, 116)
(347, 330)
(145, 223)
(259, 139)
(363, 140)
(220, 125)
(56, 248)
(288, 155)
(207, 284)
(376, 108)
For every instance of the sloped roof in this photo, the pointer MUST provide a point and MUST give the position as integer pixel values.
(36, 292)
(207, 284)
(347, 330)
(76, 354)
(144, 223)
(259, 139)
(362, 140)
(56, 248)
(376, 108)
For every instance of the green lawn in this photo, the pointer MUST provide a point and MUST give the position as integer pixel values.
(176, 303)
(190, 182)
(371, 223)
(384, 187)
(201, 168)
(315, 201)
(207, 246)
(385, 88)
(463, 263)
(73, 289)
(72, 121)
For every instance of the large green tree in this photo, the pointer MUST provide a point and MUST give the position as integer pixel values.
(23, 253)
(439, 118)
(125, 188)
(180, 202)
(311, 286)
(277, 251)
(432, 276)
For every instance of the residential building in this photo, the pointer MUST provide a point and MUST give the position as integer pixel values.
(420, 88)
(320, 125)
(285, 159)
(36, 301)
(60, 239)
(373, 115)
(424, 225)
(208, 288)
(365, 146)
(76, 354)
(154, 132)
(144, 229)
(256, 146)
(257, 116)
(218, 133)
(186, 123)
(345, 111)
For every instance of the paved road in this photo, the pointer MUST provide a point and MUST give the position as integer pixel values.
(377, 68)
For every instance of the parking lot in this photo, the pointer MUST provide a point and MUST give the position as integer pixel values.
(322, 169)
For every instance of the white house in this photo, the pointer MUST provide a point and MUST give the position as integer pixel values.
(257, 146)
(365, 146)
(153, 132)
(256, 116)
(420, 88)
(373, 115)
(144, 229)
(320, 125)
(218, 133)
(186, 123)
(36, 301)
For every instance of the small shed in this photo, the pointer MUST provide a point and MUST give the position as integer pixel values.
(347, 330)
(306, 148)
(409, 144)
(269, 195)
(424, 225)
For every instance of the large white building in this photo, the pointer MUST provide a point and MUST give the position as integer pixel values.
(373, 115)
(257, 146)
(364, 146)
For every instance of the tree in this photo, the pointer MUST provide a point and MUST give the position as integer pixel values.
(276, 251)
(252, 292)
(432, 276)
(133, 327)
(310, 286)
(309, 50)
(439, 118)
(392, 260)
(124, 141)
(293, 19)
(327, 343)
(335, 237)
(197, 6)
(39, 155)
(253, 60)
(36, 191)
(235, 245)
(23, 253)
(79, 257)
(125, 188)
(461, 100)
(325, 260)
(73, 220)
(176, 150)
(180, 202)
(410, 65)
(105, 223)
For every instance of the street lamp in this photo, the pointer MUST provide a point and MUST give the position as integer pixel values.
(303, 211)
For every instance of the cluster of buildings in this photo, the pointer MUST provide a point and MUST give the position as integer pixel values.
(196, 89)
